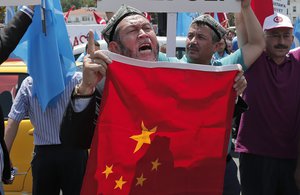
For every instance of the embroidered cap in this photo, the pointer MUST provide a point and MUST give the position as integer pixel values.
(277, 20)
(212, 23)
(124, 10)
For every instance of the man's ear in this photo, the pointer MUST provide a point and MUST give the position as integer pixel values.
(114, 47)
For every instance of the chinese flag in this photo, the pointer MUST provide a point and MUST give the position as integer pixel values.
(262, 9)
(163, 129)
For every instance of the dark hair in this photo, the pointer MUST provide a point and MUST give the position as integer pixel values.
(225, 41)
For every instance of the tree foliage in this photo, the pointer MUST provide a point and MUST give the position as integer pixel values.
(67, 4)
(2, 14)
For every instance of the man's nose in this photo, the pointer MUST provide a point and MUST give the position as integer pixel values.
(194, 40)
(281, 39)
(142, 33)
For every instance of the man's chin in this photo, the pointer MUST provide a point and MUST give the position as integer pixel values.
(147, 56)
(282, 52)
(193, 52)
(193, 55)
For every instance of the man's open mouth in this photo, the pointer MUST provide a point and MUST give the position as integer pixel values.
(145, 47)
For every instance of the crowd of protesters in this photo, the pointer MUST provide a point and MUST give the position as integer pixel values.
(268, 133)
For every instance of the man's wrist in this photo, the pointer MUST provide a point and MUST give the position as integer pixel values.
(82, 90)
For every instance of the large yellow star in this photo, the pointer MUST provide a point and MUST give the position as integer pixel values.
(120, 183)
(143, 138)
(108, 170)
(140, 180)
(155, 165)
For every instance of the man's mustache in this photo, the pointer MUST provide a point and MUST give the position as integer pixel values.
(281, 46)
(193, 46)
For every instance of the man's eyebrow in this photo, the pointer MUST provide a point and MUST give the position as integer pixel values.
(129, 26)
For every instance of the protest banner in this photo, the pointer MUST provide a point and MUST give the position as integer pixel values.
(19, 2)
(163, 128)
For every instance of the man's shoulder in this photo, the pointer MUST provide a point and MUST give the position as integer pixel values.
(28, 80)
(234, 58)
(296, 53)
(77, 74)
(162, 57)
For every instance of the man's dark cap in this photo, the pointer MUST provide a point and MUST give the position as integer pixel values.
(211, 23)
(124, 10)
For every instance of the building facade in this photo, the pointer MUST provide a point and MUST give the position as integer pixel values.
(84, 15)
(293, 9)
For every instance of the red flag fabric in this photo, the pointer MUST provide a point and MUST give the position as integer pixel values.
(221, 17)
(68, 13)
(262, 9)
(98, 19)
(148, 16)
(163, 129)
(223, 20)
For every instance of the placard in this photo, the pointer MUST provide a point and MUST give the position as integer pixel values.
(173, 5)
(280, 6)
(19, 2)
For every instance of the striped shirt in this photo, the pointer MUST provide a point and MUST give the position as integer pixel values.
(46, 124)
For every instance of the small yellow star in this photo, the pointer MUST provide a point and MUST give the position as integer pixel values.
(155, 165)
(108, 170)
(140, 180)
(143, 138)
(120, 183)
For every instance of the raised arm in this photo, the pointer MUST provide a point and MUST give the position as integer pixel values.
(241, 30)
(250, 33)
(13, 32)
(80, 117)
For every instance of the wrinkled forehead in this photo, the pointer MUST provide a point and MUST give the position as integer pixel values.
(133, 20)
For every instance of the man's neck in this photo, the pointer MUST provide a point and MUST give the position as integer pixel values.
(278, 60)
(221, 54)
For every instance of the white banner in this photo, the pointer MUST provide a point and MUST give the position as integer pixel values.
(173, 5)
(19, 2)
(78, 33)
(280, 6)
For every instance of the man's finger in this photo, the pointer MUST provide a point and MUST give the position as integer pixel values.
(91, 45)
(100, 55)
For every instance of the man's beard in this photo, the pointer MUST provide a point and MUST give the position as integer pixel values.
(126, 52)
